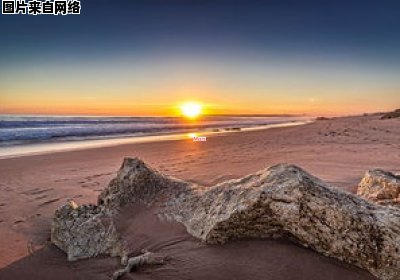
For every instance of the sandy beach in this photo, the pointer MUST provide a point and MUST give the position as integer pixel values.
(337, 150)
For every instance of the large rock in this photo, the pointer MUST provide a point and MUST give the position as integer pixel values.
(85, 231)
(138, 183)
(380, 187)
(283, 201)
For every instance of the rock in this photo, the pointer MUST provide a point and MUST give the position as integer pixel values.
(391, 115)
(137, 182)
(285, 201)
(85, 231)
(380, 187)
(282, 201)
(322, 119)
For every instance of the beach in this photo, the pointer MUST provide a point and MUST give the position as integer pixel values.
(337, 150)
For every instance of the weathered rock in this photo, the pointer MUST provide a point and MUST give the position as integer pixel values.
(137, 182)
(85, 231)
(380, 187)
(285, 201)
(391, 115)
(281, 201)
(322, 119)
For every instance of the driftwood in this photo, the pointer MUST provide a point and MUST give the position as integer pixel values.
(146, 258)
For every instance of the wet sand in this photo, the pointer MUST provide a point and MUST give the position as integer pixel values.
(338, 151)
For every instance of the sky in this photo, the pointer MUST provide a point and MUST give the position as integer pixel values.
(126, 57)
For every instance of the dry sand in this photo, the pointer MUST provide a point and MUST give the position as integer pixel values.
(32, 187)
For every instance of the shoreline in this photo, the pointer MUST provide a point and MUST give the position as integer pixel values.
(41, 148)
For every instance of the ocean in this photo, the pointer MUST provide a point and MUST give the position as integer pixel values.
(18, 132)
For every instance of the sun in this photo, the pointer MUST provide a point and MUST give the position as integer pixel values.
(191, 110)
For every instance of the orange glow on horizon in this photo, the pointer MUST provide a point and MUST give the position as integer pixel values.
(191, 110)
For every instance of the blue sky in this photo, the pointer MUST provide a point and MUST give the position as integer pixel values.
(224, 53)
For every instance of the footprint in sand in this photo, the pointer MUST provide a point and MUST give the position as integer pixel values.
(36, 191)
(47, 202)
(37, 194)
(36, 215)
(40, 197)
(19, 221)
(90, 178)
(61, 180)
(90, 184)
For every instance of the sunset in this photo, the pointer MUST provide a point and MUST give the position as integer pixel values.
(191, 110)
(249, 84)
(200, 139)
(239, 58)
